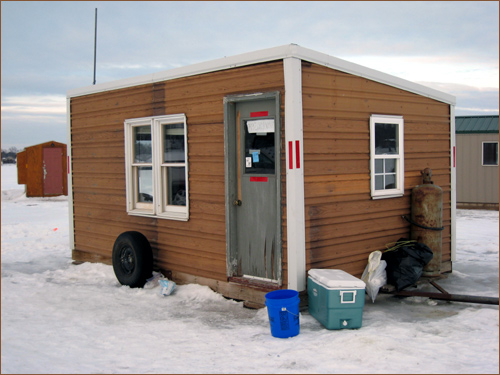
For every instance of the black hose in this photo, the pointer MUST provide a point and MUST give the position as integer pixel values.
(421, 226)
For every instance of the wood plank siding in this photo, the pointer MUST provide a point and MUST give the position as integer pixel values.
(196, 247)
(22, 168)
(343, 223)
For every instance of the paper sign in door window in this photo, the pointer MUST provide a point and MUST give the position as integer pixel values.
(260, 126)
(255, 157)
(248, 162)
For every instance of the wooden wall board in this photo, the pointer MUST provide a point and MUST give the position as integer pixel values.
(22, 173)
(195, 247)
(343, 223)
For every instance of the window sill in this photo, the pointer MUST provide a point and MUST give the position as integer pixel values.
(387, 196)
(168, 216)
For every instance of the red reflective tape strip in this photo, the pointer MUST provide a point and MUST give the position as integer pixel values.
(454, 156)
(290, 155)
(258, 179)
(297, 154)
(259, 114)
(68, 165)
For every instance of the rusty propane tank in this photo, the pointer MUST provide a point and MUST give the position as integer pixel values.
(427, 220)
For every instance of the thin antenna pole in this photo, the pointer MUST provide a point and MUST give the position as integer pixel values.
(95, 42)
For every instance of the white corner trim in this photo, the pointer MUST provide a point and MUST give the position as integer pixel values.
(295, 216)
(69, 170)
(453, 185)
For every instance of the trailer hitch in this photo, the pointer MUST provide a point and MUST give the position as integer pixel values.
(444, 295)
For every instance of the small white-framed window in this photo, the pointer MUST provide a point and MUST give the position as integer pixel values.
(171, 160)
(156, 167)
(490, 154)
(386, 156)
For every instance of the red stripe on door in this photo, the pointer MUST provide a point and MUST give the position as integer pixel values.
(290, 155)
(258, 179)
(259, 114)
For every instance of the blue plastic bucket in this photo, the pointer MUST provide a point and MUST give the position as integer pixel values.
(283, 310)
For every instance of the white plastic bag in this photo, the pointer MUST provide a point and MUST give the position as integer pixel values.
(166, 287)
(152, 282)
(374, 274)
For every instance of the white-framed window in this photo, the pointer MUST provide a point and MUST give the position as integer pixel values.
(490, 154)
(386, 156)
(156, 167)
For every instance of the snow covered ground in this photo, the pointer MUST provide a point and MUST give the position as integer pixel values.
(62, 318)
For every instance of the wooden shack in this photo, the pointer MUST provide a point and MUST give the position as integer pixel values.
(245, 172)
(43, 169)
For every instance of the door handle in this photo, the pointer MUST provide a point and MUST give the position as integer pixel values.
(237, 202)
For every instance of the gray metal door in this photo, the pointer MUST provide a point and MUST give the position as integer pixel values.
(254, 189)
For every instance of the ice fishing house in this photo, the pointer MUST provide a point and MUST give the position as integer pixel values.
(245, 172)
(43, 169)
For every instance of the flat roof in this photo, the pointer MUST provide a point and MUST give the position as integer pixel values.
(266, 55)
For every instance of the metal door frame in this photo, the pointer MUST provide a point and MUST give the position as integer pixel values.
(230, 133)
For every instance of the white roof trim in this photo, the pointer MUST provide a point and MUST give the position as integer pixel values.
(265, 55)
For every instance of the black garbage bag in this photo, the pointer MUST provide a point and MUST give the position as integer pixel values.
(406, 263)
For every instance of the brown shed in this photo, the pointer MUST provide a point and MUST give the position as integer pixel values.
(43, 169)
(245, 172)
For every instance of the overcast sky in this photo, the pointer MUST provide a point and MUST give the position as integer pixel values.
(48, 47)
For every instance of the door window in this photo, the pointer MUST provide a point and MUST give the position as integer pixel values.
(259, 147)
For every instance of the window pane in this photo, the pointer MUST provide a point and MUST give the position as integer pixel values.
(490, 153)
(176, 181)
(386, 139)
(390, 165)
(142, 144)
(145, 184)
(259, 152)
(390, 181)
(379, 165)
(379, 182)
(173, 143)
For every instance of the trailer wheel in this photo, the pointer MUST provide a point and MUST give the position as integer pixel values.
(132, 259)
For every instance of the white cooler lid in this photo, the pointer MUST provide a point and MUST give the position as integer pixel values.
(335, 279)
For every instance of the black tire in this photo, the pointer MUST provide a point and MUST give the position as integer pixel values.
(132, 259)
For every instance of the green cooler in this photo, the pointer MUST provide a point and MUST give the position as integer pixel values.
(336, 298)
